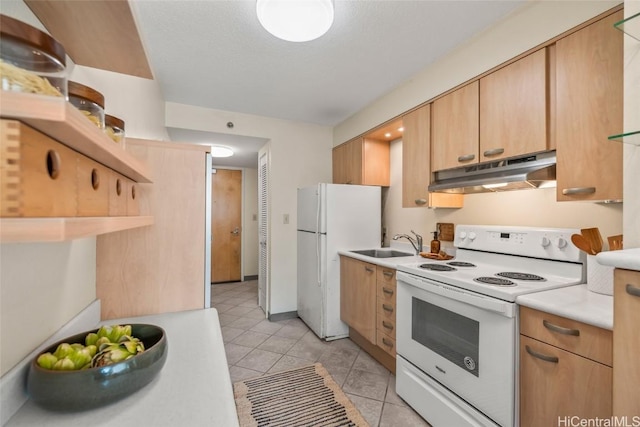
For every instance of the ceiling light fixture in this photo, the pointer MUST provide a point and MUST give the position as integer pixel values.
(295, 20)
(221, 151)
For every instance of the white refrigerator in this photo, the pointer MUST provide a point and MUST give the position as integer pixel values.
(331, 217)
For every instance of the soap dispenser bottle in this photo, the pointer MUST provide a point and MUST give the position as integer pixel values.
(435, 244)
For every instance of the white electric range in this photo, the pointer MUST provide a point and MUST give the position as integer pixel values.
(457, 321)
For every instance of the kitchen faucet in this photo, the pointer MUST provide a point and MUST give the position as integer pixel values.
(416, 243)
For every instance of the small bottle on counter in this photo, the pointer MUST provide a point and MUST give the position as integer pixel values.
(435, 244)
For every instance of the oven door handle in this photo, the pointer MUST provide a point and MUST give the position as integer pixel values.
(476, 300)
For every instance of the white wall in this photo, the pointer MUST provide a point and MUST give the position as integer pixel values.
(300, 155)
(525, 29)
(44, 285)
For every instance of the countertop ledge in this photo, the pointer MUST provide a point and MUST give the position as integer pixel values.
(193, 389)
(628, 259)
(573, 302)
(383, 262)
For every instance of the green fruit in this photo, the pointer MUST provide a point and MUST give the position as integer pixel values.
(46, 360)
(91, 338)
(63, 350)
(92, 350)
(64, 364)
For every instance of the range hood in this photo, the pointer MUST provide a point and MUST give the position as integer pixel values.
(516, 173)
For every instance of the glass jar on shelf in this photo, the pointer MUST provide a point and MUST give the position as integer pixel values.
(114, 128)
(31, 61)
(89, 101)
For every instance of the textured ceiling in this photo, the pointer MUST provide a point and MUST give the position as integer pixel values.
(215, 54)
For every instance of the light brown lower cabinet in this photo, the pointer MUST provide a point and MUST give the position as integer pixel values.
(557, 382)
(368, 306)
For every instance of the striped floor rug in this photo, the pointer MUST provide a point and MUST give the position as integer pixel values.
(305, 396)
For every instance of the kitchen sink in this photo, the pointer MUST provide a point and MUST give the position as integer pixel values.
(382, 253)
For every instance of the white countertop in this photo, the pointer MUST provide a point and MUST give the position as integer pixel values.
(384, 262)
(573, 302)
(626, 258)
(192, 389)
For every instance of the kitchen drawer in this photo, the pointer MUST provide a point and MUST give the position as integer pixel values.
(386, 276)
(117, 194)
(38, 174)
(93, 187)
(133, 198)
(562, 386)
(386, 292)
(386, 311)
(386, 343)
(585, 340)
(386, 326)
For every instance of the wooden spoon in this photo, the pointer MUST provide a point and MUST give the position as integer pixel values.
(594, 238)
(615, 242)
(582, 243)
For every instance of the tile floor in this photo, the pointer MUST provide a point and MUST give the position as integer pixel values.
(255, 346)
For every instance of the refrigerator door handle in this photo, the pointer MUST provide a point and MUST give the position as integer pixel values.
(318, 242)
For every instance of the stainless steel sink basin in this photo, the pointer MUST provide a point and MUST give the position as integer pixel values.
(382, 253)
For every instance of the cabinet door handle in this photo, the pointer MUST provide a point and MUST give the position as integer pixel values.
(387, 325)
(466, 158)
(420, 201)
(632, 290)
(368, 269)
(578, 190)
(560, 329)
(387, 342)
(552, 359)
(387, 291)
(493, 152)
(387, 273)
(387, 307)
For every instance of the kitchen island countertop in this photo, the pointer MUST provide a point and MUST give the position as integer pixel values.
(573, 302)
(192, 389)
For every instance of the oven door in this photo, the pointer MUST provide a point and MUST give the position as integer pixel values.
(463, 340)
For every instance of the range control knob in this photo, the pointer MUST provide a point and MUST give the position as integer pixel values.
(463, 235)
(562, 243)
(545, 242)
(472, 236)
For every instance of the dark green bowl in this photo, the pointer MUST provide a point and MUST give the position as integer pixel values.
(90, 388)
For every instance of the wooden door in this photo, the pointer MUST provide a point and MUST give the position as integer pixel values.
(358, 296)
(514, 108)
(456, 126)
(226, 225)
(589, 109)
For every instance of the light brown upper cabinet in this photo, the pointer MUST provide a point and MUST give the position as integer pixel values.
(416, 173)
(514, 108)
(589, 70)
(455, 128)
(361, 161)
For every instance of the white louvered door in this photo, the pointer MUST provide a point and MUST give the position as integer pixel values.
(263, 255)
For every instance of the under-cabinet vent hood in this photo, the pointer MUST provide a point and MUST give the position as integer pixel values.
(516, 173)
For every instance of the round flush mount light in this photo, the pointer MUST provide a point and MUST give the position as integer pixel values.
(221, 151)
(295, 20)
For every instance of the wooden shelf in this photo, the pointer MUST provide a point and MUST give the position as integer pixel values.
(13, 230)
(60, 120)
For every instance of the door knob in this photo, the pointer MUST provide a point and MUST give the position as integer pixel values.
(236, 231)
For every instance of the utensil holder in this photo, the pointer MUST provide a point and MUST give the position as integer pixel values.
(599, 277)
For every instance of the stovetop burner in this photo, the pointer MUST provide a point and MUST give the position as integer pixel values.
(461, 264)
(521, 276)
(437, 267)
(496, 281)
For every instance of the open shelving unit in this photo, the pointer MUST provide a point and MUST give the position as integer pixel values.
(58, 119)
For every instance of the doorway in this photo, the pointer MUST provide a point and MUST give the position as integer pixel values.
(226, 225)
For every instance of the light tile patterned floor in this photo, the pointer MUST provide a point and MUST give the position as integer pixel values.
(255, 346)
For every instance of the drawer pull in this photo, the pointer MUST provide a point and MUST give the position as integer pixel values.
(387, 291)
(388, 273)
(387, 325)
(387, 307)
(552, 359)
(387, 342)
(578, 190)
(560, 329)
(368, 269)
(632, 290)
(466, 158)
(420, 202)
(493, 152)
